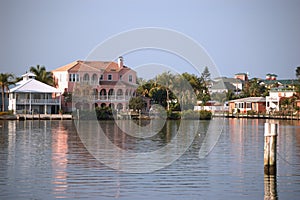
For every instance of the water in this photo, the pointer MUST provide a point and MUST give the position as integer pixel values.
(48, 159)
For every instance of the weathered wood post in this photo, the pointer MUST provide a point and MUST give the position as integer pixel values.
(270, 143)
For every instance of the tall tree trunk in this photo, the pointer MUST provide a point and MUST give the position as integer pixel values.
(3, 98)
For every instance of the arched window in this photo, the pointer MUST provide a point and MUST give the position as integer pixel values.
(119, 106)
(86, 78)
(103, 94)
(111, 93)
(119, 93)
(112, 106)
(95, 93)
(94, 79)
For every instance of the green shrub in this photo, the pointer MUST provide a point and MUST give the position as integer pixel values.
(10, 112)
(202, 114)
(251, 112)
(173, 115)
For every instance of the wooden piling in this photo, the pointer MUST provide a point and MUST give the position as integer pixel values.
(270, 143)
(270, 187)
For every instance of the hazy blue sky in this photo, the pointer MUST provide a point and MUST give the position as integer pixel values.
(254, 36)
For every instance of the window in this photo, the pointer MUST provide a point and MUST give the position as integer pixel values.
(241, 105)
(94, 78)
(130, 78)
(74, 77)
(249, 105)
(86, 78)
(101, 77)
(109, 77)
(121, 77)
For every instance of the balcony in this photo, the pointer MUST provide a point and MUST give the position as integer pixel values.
(113, 98)
(38, 101)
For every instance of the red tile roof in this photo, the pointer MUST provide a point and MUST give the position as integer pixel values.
(90, 66)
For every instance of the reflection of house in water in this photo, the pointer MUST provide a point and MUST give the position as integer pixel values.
(59, 159)
(240, 135)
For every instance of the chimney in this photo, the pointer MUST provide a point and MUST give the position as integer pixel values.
(120, 62)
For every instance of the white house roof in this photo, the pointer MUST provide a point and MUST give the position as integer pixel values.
(33, 86)
(29, 74)
(250, 99)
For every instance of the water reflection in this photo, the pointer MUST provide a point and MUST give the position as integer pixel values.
(47, 160)
(59, 159)
(119, 150)
(270, 187)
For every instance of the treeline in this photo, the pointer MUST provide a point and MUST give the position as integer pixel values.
(174, 91)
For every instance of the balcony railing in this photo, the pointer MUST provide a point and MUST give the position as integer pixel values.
(38, 101)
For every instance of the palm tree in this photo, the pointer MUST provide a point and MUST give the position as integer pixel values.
(166, 80)
(298, 72)
(42, 75)
(5, 81)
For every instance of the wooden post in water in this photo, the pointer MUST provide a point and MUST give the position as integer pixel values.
(270, 148)
(270, 187)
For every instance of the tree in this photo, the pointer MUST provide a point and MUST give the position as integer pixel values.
(137, 103)
(298, 72)
(42, 75)
(297, 85)
(165, 79)
(254, 89)
(205, 75)
(5, 81)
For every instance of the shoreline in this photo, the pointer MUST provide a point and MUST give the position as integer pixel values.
(37, 117)
(70, 117)
(259, 116)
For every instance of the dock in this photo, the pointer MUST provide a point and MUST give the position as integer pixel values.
(44, 117)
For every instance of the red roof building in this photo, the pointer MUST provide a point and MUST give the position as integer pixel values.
(88, 84)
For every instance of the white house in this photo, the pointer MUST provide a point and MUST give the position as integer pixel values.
(272, 101)
(224, 84)
(33, 96)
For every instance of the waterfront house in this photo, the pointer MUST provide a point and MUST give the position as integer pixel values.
(32, 96)
(213, 106)
(255, 104)
(275, 94)
(224, 84)
(241, 76)
(89, 84)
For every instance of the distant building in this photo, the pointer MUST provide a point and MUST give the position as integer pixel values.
(271, 76)
(241, 76)
(256, 104)
(283, 83)
(224, 84)
(212, 106)
(98, 83)
(272, 101)
(33, 96)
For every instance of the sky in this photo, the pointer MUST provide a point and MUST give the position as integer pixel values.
(255, 37)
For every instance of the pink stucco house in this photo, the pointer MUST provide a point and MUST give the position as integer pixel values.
(95, 83)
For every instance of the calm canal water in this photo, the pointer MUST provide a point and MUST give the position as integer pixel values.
(48, 159)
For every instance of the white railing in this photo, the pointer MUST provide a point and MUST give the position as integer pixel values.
(114, 97)
(38, 101)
